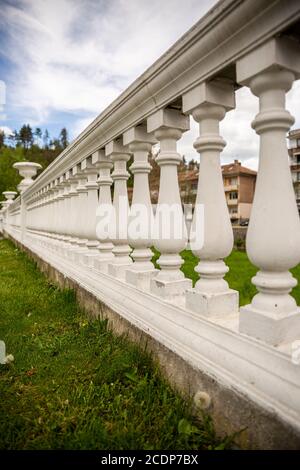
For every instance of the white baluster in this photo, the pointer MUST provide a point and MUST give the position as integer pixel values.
(105, 247)
(120, 156)
(64, 212)
(141, 215)
(273, 238)
(56, 215)
(80, 214)
(73, 195)
(211, 229)
(67, 213)
(170, 230)
(91, 253)
(51, 220)
(27, 170)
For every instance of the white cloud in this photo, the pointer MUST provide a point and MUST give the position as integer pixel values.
(76, 56)
(7, 131)
(242, 142)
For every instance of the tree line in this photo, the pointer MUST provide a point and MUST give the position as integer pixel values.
(35, 145)
(26, 137)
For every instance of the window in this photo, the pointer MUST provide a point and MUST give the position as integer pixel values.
(233, 181)
(233, 195)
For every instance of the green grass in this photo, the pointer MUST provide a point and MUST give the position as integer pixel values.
(73, 383)
(239, 276)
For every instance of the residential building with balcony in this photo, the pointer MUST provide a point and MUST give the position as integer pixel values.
(239, 185)
(294, 153)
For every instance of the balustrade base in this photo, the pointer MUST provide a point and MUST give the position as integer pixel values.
(140, 279)
(212, 305)
(271, 330)
(172, 291)
(102, 264)
(89, 259)
(118, 270)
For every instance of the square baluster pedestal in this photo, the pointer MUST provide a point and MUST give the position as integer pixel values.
(118, 270)
(102, 264)
(172, 291)
(214, 304)
(271, 328)
(140, 279)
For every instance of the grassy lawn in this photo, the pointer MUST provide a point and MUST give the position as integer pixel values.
(239, 276)
(73, 384)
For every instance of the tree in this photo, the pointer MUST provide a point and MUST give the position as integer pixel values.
(46, 139)
(2, 138)
(56, 144)
(26, 136)
(38, 134)
(13, 138)
(9, 176)
(63, 137)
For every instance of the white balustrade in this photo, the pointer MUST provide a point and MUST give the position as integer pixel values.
(170, 234)
(68, 217)
(273, 238)
(211, 227)
(80, 216)
(73, 195)
(140, 221)
(119, 156)
(105, 246)
(90, 209)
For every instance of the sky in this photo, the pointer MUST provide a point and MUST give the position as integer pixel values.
(62, 62)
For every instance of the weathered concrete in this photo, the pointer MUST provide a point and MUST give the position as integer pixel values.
(232, 412)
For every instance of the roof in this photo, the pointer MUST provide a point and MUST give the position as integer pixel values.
(236, 168)
(294, 134)
(230, 169)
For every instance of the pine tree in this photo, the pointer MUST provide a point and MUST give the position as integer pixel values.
(46, 139)
(26, 136)
(38, 134)
(63, 137)
(2, 138)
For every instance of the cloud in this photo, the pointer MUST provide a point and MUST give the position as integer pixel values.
(7, 131)
(75, 56)
(242, 142)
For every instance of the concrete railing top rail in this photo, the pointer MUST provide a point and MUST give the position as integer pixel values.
(210, 48)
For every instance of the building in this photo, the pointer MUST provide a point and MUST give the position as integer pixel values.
(239, 185)
(294, 153)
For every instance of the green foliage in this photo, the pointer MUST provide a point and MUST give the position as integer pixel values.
(63, 138)
(9, 177)
(25, 136)
(74, 384)
(2, 138)
(26, 146)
